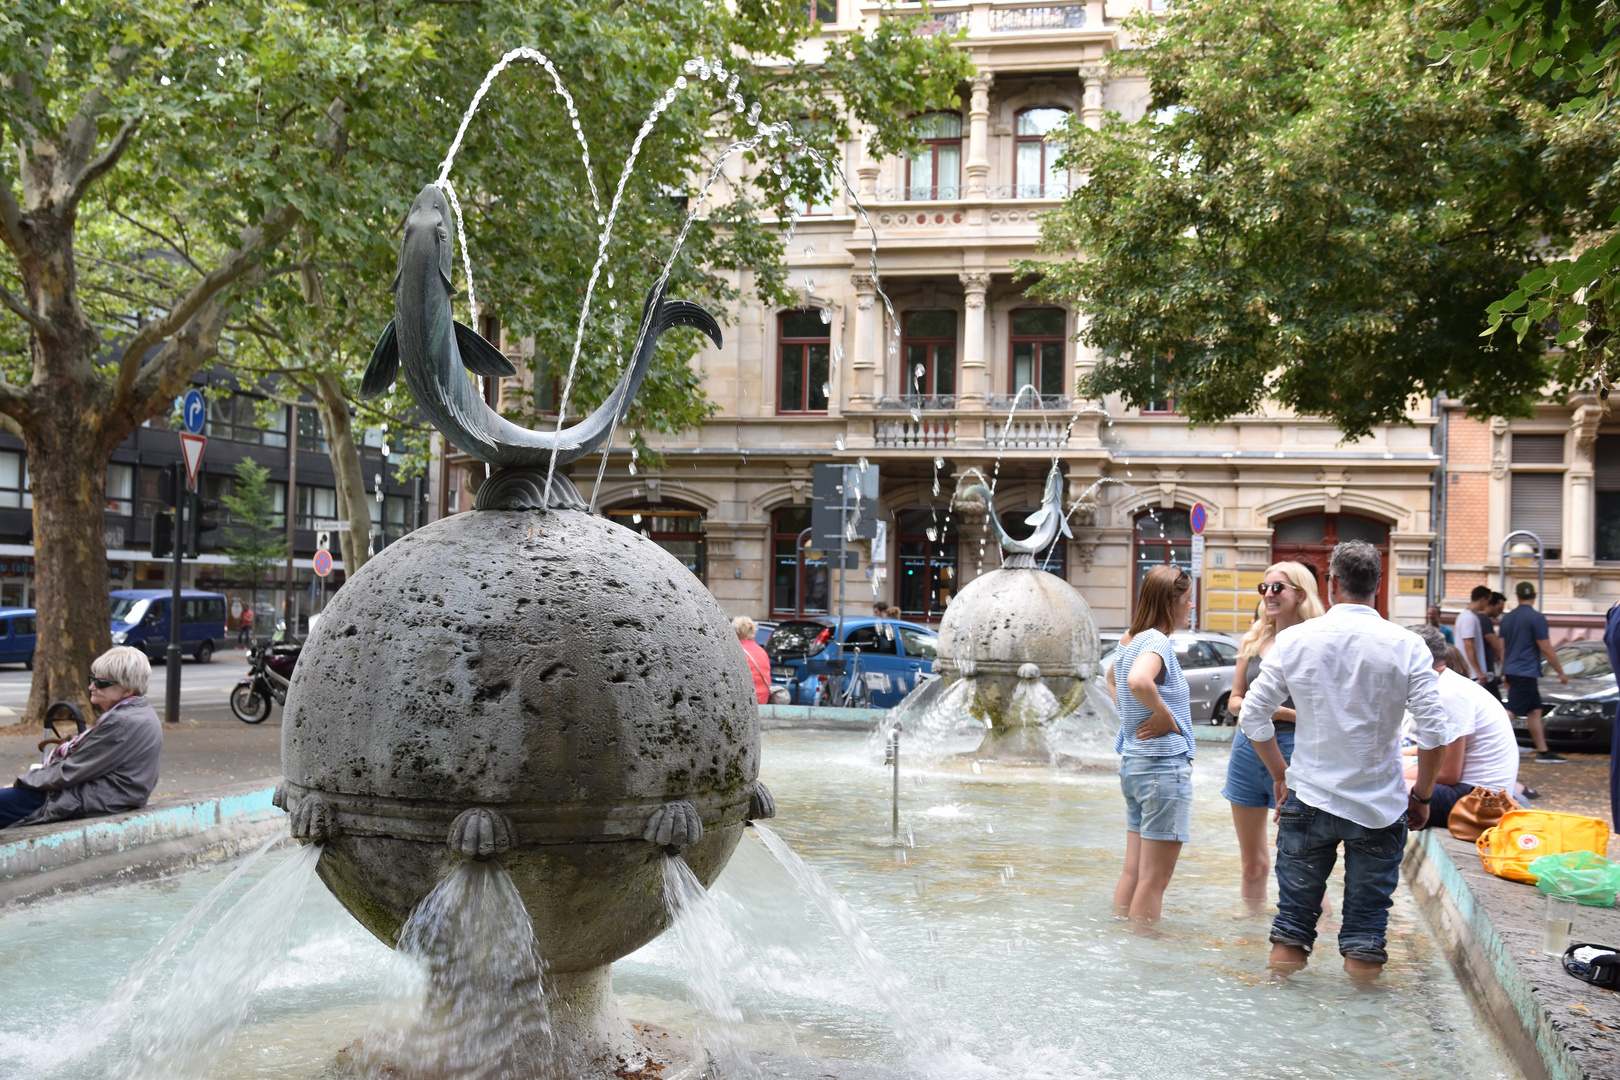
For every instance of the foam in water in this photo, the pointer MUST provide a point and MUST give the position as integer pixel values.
(709, 949)
(483, 1006)
(184, 1031)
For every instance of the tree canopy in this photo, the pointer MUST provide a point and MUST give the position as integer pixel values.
(1314, 213)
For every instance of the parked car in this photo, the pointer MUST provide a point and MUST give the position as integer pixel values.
(1207, 659)
(762, 632)
(1579, 716)
(894, 657)
(17, 634)
(141, 618)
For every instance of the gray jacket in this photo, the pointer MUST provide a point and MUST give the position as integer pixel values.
(114, 769)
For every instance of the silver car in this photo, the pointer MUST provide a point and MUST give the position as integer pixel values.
(1207, 659)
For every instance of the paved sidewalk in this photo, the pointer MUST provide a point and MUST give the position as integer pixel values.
(197, 756)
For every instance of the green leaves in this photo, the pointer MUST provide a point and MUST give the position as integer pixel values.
(1322, 220)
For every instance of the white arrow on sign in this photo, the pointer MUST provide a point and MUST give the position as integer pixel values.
(191, 448)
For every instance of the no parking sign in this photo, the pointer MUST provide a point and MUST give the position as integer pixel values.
(323, 563)
(1200, 517)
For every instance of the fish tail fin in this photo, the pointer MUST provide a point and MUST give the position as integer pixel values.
(685, 313)
(384, 365)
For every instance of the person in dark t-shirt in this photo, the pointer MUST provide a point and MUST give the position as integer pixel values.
(1524, 644)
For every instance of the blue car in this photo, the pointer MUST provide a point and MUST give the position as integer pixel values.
(141, 618)
(816, 670)
(17, 635)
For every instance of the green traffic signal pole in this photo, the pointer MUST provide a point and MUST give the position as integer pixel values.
(171, 697)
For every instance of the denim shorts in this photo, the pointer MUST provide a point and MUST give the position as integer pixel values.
(1248, 781)
(1158, 796)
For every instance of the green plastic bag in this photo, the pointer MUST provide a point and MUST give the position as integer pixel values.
(1580, 875)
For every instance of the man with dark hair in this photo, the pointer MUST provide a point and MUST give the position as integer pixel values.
(1471, 634)
(1493, 642)
(1525, 644)
(1433, 618)
(1352, 676)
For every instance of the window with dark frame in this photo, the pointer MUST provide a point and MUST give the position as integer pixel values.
(926, 548)
(1162, 401)
(823, 11)
(1606, 489)
(1037, 350)
(676, 529)
(934, 170)
(928, 342)
(799, 576)
(804, 353)
(14, 489)
(1163, 537)
(1035, 164)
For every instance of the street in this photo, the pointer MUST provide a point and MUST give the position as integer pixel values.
(204, 689)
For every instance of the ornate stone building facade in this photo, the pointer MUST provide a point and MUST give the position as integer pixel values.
(915, 371)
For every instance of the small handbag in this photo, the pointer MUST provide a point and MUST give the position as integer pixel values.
(1479, 810)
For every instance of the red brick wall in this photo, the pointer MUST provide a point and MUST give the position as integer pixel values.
(1467, 501)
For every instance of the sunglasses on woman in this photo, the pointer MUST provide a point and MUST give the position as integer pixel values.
(1275, 588)
(103, 684)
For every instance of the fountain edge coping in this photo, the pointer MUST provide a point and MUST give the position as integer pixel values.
(830, 718)
(43, 861)
(1554, 1026)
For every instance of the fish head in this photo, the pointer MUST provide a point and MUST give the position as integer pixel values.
(427, 235)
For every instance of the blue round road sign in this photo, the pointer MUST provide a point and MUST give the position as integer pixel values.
(1200, 517)
(323, 563)
(196, 411)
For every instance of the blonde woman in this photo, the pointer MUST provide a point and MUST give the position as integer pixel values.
(1287, 597)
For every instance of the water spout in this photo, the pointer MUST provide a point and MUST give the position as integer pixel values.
(709, 948)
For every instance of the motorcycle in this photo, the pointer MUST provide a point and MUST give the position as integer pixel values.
(270, 668)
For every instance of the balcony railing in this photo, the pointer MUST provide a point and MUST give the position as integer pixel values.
(924, 402)
(938, 22)
(1044, 17)
(1031, 191)
(1024, 435)
(1004, 402)
(925, 434)
(921, 193)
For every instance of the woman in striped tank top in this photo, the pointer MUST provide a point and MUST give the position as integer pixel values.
(1155, 743)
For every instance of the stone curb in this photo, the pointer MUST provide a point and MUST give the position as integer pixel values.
(1550, 1023)
(49, 860)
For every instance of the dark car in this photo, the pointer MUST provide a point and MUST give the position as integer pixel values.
(894, 657)
(1580, 715)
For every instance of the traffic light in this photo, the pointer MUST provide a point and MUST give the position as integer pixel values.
(171, 483)
(162, 534)
(199, 521)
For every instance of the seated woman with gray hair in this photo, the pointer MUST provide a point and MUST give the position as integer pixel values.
(109, 767)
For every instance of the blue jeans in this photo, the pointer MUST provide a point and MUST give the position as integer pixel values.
(17, 803)
(1158, 796)
(1308, 842)
(1248, 781)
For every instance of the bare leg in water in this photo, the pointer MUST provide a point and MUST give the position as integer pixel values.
(1149, 865)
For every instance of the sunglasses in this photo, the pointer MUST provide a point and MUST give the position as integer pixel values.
(1275, 588)
(102, 684)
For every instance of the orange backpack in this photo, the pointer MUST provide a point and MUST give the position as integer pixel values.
(1523, 836)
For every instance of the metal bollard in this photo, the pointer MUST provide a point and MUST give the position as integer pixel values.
(892, 758)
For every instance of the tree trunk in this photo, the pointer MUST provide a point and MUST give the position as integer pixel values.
(67, 468)
(348, 472)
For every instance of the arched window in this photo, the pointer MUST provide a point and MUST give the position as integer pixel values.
(1310, 538)
(804, 352)
(927, 562)
(676, 529)
(1037, 351)
(1038, 176)
(934, 171)
(1054, 559)
(1162, 537)
(798, 574)
(929, 346)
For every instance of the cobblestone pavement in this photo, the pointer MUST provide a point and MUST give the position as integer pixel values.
(1580, 786)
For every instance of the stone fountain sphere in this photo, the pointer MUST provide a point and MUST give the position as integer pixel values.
(553, 666)
(1011, 617)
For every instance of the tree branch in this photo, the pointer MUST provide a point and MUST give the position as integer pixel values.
(103, 161)
(243, 259)
(26, 313)
(12, 223)
(184, 253)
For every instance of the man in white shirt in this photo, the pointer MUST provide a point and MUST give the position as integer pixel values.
(1352, 676)
(1483, 751)
(1470, 634)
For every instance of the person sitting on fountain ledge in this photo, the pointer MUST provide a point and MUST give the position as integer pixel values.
(1352, 676)
(111, 766)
